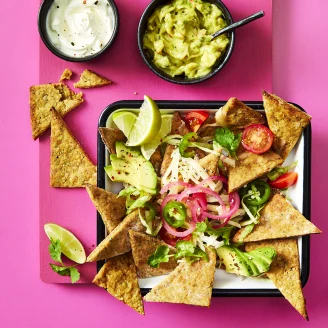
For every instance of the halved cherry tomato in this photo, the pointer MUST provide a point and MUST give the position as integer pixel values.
(195, 119)
(284, 181)
(257, 138)
(170, 239)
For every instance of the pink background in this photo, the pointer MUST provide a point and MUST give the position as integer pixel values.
(299, 75)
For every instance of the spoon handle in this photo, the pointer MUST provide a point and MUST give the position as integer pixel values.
(238, 24)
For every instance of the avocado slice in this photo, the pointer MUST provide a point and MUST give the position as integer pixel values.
(131, 167)
(252, 267)
(233, 262)
(251, 263)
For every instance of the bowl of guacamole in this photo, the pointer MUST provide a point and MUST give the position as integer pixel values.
(174, 39)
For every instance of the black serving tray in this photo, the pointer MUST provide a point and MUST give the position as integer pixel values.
(212, 105)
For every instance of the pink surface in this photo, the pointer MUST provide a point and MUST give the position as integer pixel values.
(299, 75)
(251, 61)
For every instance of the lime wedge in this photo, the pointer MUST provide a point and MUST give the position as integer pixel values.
(149, 148)
(125, 121)
(147, 124)
(70, 245)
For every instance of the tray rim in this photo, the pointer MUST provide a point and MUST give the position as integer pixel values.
(210, 105)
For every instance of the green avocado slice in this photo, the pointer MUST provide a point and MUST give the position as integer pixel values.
(131, 167)
(251, 263)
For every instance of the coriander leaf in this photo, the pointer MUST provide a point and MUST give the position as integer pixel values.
(228, 140)
(61, 270)
(55, 250)
(201, 227)
(75, 274)
(184, 248)
(161, 255)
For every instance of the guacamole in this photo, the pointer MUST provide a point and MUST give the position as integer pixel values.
(178, 37)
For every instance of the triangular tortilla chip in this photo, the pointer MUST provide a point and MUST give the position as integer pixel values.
(70, 166)
(279, 219)
(210, 164)
(251, 166)
(118, 276)
(187, 284)
(45, 97)
(67, 74)
(286, 121)
(285, 271)
(109, 136)
(236, 115)
(167, 159)
(111, 208)
(143, 246)
(156, 160)
(118, 241)
(91, 79)
(178, 125)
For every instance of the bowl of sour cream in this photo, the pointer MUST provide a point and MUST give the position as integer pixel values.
(78, 30)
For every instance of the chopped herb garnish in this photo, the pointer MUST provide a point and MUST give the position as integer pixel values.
(72, 43)
(96, 3)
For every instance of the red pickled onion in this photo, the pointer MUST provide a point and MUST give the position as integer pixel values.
(234, 200)
(175, 233)
(197, 189)
(174, 184)
(201, 199)
(214, 178)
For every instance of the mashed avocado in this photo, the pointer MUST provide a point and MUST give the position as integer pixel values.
(178, 37)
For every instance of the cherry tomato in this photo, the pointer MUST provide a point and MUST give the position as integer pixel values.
(257, 138)
(284, 181)
(195, 119)
(170, 239)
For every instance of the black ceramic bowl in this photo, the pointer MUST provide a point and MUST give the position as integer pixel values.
(181, 80)
(42, 25)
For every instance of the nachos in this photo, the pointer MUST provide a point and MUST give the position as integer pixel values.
(209, 194)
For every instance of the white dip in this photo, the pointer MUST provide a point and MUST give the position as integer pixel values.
(80, 28)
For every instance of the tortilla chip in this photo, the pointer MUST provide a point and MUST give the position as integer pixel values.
(118, 276)
(143, 246)
(156, 160)
(286, 121)
(210, 164)
(251, 166)
(118, 241)
(208, 128)
(187, 284)
(236, 115)
(111, 208)
(167, 159)
(285, 271)
(43, 98)
(109, 137)
(178, 125)
(279, 219)
(69, 164)
(67, 74)
(91, 79)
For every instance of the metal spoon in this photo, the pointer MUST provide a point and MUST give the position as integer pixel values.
(238, 24)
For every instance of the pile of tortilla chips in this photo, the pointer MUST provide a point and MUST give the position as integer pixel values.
(127, 248)
(70, 165)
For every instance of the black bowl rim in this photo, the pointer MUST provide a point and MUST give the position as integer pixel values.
(43, 34)
(168, 78)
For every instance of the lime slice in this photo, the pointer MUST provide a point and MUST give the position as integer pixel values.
(70, 245)
(149, 148)
(125, 121)
(147, 124)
